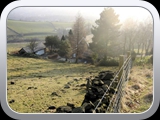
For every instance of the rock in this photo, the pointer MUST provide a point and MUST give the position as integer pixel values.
(12, 83)
(114, 84)
(54, 94)
(98, 110)
(107, 82)
(66, 86)
(112, 90)
(64, 109)
(100, 91)
(63, 91)
(52, 107)
(82, 85)
(148, 97)
(88, 107)
(69, 83)
(78, 110)
(70, 105)
(75, 79)
(97, 82)
(96, 102)
(90, 96)
(12, 101)
(75, 88)
(106, 100)
(107, 76)
(105, 87)
(29, 88)
(136, 87)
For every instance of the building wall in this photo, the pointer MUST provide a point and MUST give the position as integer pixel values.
(41, 52)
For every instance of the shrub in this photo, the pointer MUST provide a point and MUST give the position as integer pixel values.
(133, 55)
(150, 60)
(143, 61)
(108, 62)
(30, 55)
(94, 58)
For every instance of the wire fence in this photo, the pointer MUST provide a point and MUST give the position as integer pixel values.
(123, 75)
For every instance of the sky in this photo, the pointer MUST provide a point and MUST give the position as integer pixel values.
(137, 13)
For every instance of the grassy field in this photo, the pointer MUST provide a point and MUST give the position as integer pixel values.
(40, 83)
(35, 29)
(138, 94)
(13, 47)
(64, 25)
(36, 81)
(24, 27)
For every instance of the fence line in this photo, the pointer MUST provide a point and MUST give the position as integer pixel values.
(116, 99)
(123, 74)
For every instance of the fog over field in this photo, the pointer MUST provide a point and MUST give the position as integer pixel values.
(68, 14)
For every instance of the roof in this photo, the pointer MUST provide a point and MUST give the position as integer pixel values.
(39, 46)
(89, 38)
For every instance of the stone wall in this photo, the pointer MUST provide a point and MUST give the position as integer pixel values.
(96, 87)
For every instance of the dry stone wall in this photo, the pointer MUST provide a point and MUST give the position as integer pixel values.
(96, 87)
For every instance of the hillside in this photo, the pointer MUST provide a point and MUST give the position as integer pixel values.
(40, 30)
(33, 85)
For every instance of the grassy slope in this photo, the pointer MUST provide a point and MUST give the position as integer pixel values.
(139, 90)
(62, 24)
(23, 27)
(35, 29)
(45, 77)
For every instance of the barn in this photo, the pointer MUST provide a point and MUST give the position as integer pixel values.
(39, 49)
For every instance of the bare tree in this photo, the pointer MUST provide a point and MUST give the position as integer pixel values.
(145, 36)
(129, 31)
(32, 45)
(79, 33)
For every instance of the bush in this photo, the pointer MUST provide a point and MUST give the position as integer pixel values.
(108, 62)
(30, 55)
(143, 61)
(94, 58)
(133, 55)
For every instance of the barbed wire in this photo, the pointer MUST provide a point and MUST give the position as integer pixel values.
(127, 60)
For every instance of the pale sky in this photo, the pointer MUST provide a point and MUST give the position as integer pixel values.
(137, 13)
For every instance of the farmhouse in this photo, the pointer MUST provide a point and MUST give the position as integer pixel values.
(39, 49)
(87, 39)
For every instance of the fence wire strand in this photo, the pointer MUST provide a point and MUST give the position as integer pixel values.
(125, 63)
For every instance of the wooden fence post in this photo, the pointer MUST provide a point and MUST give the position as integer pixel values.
(121, 61)
(128, 53)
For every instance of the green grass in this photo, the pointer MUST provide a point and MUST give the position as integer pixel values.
(12, 47)
(137, 97)
(34, 29)
(24, 27)
(62, 24)
(10, 32)
(46, 77)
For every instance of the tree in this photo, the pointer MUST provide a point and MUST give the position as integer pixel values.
(32, 45)
(52, 42)
(71, 40)
(129, 32)
(79, 34)
(145, 36)
(63, 38)
(65, 49)
(105, 33)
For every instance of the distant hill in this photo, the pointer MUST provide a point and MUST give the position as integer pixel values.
(25, 29)
(61, 14)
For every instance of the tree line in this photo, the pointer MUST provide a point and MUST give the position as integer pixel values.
(110, 37)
